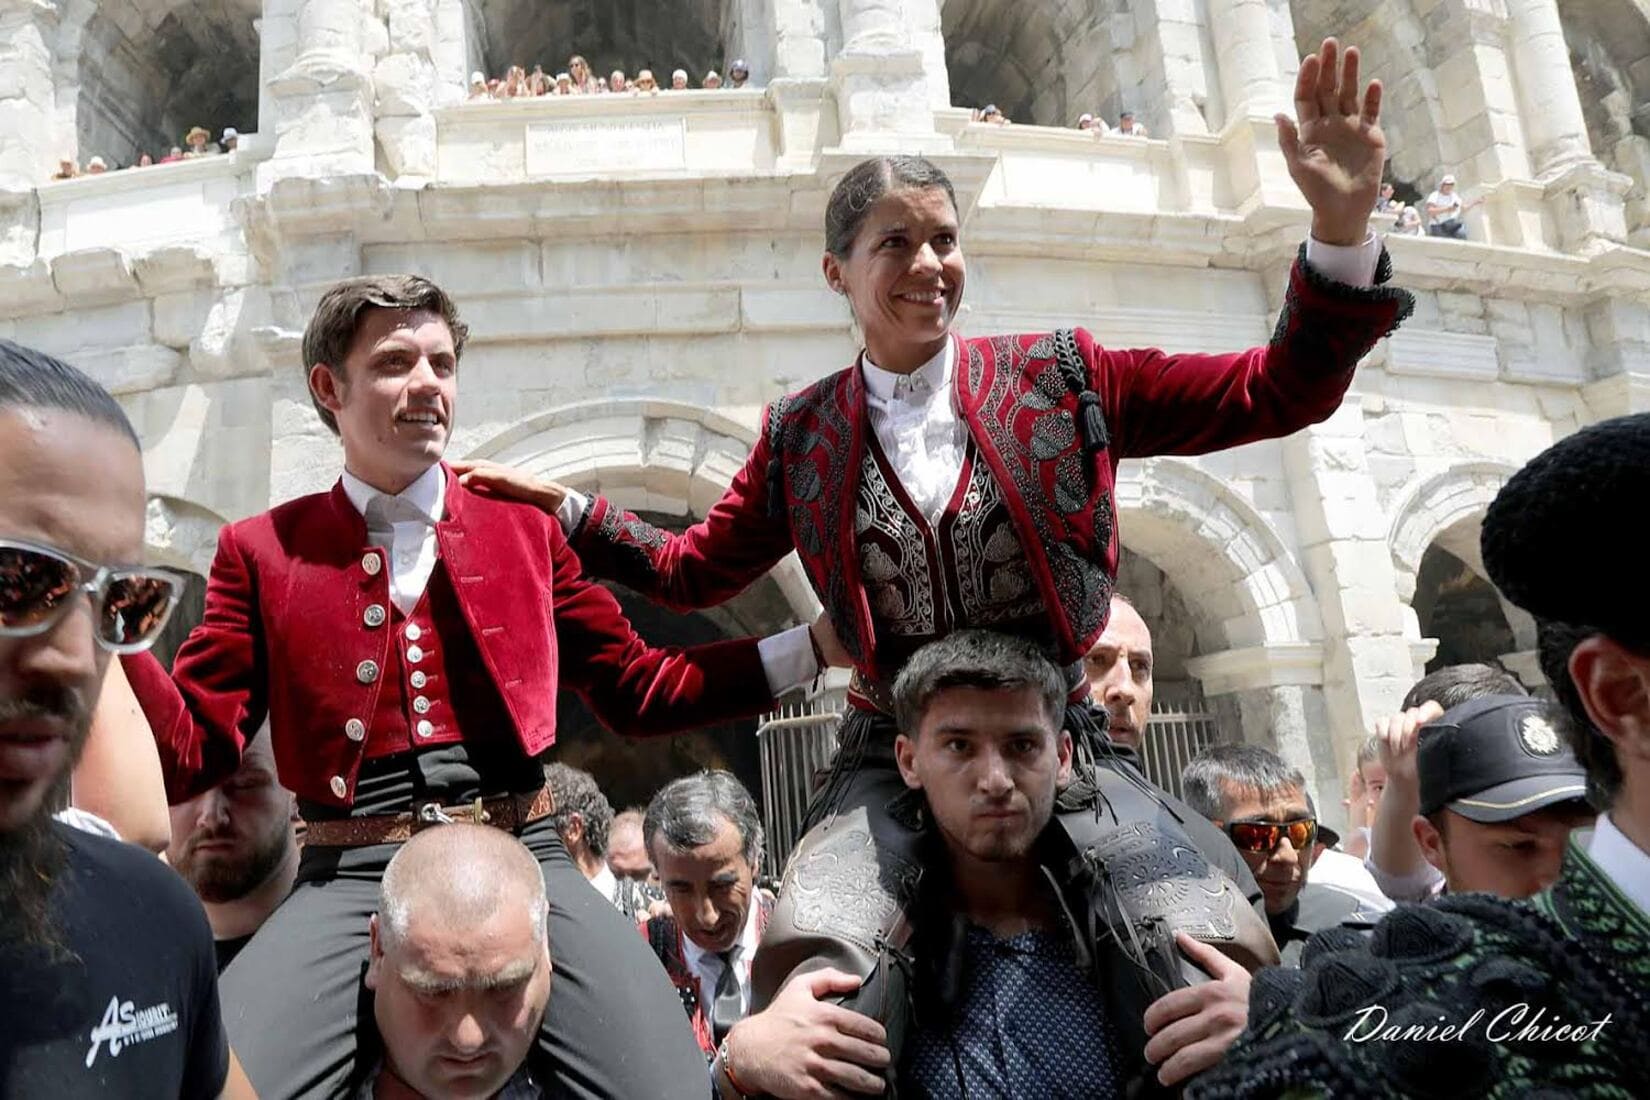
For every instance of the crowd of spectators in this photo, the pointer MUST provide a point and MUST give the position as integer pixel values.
(1440, 214)
(197, 143)
(1127, 125)
(579, 79)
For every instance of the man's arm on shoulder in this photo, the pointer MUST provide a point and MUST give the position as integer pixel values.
(215, 697)
(802, 1047)
(637, 689)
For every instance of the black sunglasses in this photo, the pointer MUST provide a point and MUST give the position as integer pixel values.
(38, 584)
(1263, 837)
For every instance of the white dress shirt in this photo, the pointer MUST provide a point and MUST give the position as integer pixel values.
(1627, 865)
(707, 965)
(403, 524)
(607, 883)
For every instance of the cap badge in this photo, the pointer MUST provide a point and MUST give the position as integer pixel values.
(1538, 735)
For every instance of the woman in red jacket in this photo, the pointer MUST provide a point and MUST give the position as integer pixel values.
(940, 482)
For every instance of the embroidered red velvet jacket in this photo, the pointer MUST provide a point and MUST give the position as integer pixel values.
(296, 628)
(803, 482)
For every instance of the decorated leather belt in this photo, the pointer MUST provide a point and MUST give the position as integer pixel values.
(868, 694)
(508, 812)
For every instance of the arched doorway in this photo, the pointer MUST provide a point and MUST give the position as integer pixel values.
(140, 76)
(630, 770)
(1462, 610)
(1039, 61)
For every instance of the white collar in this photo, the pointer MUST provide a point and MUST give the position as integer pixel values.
(743, 948)
(427, 493)
(606, 882)
(1626, 863)
(933, 376)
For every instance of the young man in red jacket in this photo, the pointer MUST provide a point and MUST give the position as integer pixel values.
(406, 640)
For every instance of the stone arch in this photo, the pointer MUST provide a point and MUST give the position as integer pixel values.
(1046, 62)
(667, 459)
(662, 35)
(669, 462)
(1609, 44)
(1397, 48)
(1445, 508)
(132, 76)
(1225, 558)
(1434, 536)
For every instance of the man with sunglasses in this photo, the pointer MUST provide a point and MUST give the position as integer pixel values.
(107, 980)
(406, 637)
(1261, 803)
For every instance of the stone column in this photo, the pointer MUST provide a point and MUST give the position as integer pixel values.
(1555, 130)
(884, 78)
(1250, 79)
(29, 152)
(1344, 550)
(319, 102)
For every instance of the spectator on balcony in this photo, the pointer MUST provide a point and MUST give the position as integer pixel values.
(992, 115)
(516, 85)
(1388, 202)
(66, 170)
(1128, 127)
(1093, 123)
(584, 81)
(678, 80)
(1444, 211)
(173, 156)
(145, 161)
(199, 141)
(538, 82)
(1409, 222)
(96, 166)
(564, 84)
(478, 86)
(712, 81)
(645, 84)
(616, 81)
(738, 73)
(231, 139)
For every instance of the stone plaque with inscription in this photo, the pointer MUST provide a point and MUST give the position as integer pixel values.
(586, 147)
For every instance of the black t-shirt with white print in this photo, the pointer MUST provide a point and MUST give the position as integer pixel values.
(131, 1010)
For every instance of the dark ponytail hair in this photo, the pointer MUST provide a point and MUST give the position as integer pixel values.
(867, 182)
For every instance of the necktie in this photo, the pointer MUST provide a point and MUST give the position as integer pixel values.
(728, 1008)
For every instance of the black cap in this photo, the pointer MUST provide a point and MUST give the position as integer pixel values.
(1570, 499)
(1497, 757)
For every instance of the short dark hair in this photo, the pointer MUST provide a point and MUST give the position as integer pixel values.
(1453, 685)
(337, 318)
(976, 659)
(32, 379)
(688, 813)
(576, 792)
(1554, 642)
(865, 183)
(1221, 770)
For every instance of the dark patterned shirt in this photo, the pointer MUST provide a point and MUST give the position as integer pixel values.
(1030, 1024)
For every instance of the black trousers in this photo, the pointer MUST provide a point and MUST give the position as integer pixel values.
(293, 998)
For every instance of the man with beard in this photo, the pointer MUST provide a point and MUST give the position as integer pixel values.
(107, 985)
(236, 846)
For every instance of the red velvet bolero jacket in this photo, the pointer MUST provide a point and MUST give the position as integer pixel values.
(284, 635)
(799, 487)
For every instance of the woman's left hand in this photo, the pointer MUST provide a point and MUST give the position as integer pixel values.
(1336, 151)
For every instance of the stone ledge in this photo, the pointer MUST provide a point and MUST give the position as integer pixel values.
(1297, 663)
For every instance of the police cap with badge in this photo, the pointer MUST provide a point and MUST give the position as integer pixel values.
(1496, 758)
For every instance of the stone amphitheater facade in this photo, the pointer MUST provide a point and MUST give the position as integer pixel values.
(642, 274)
